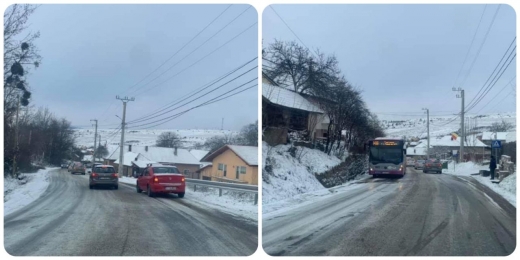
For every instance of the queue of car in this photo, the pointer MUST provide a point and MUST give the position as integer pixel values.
(155, 179)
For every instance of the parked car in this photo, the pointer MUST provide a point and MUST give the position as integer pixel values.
(69, 168)
(432, 165)
(64, 166)
(79, 168)
(103, 175)
(91, 169)
(419, 164)
(161, 179)
(410, 162)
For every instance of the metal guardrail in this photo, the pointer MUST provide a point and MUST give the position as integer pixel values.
(224, 186)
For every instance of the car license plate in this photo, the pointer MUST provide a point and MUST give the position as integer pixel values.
(171, 188)
(385, 172)
(105, 178)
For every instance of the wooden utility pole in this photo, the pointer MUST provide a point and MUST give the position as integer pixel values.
(121, 151)
(95, 141)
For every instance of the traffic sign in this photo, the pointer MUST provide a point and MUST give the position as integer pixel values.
(496, 144)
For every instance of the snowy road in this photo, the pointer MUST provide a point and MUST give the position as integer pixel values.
(420, 214)
(71, 220)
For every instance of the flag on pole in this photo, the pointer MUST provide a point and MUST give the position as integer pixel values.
(454, 136)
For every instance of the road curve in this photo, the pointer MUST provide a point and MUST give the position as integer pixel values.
(419, 215)
(71, 220)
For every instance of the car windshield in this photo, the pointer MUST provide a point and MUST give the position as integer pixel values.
(386, 155)
(104, 170)
(165, 170)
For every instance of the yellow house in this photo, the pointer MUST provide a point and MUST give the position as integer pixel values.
(232, 163)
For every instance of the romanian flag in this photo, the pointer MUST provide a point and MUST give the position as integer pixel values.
(454, 136)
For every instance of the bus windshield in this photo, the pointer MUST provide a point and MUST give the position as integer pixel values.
(386, 155)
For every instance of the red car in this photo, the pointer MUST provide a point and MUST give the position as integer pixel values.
(161, 179)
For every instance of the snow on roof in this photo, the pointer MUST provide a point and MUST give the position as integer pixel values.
(416, 151)
(128, 157)
(287, 98)
(248, 153)
(511, 137)
(87, 157)
(166, 155)
(471, 141)
(488, 136)
(199, 154)
(142, 164)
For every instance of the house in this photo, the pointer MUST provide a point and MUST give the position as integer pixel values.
(186, 161)
(488, 137)
(232, 163)
(129, 157)
(139, 166)
(284, 109)
(205, 172)
(416, 152)
(449, 146)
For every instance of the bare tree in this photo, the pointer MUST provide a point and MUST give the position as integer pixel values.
(169, 139)
(249, 135)
(502, 126)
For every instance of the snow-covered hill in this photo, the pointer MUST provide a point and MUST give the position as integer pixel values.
(85, 137)
(399, 126)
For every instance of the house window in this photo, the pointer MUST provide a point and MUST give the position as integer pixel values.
(220, 167)
(240, 170)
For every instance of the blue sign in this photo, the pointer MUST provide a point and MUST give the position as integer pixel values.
(496, 144)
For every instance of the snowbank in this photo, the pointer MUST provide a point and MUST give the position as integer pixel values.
(506, 188)
(231, 202)
(287, 174)
(20, 193)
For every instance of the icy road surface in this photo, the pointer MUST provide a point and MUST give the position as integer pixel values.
(71, 220)
(420, 214)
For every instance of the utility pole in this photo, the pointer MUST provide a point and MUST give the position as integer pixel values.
(428, 132)
(121, 152)
(462, 134)
(95, 141)
(16, 137)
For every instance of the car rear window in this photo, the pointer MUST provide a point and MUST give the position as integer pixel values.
(104, 170)
(165, 170)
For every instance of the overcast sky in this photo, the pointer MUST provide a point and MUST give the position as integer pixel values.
(406, 57)
(91, 53)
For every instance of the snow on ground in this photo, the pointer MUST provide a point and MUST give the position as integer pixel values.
(20, 193)
(439, 125)
(85, 136)
(235, 203)
(287, 176)
(312, 197)
(506, 188)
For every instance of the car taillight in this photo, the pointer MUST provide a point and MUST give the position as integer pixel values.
(155, 179)
(94, 175)
(183, 179)
(114, 175)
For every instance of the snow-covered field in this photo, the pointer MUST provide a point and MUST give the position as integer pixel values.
(20, 193)
(230, 202)
(85, 136)
(289, 176)
(439, 125)
(506, 188)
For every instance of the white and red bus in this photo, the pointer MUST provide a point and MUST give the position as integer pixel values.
(386, 156)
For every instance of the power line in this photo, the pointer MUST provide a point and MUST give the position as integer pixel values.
(481, 45)
(179, 50)
(196, 90)
(496, 95)
(471, 45)
(199, 60)
(187, 55)
(500, 102)
(491, 86)
(491, 75)
(211, 101)
(171, 117)
(187, 102)
(272, 8)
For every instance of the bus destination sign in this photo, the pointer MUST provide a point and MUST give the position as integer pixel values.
(385, 143)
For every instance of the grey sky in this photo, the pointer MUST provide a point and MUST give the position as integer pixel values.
(91, 53)
(406, 57)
